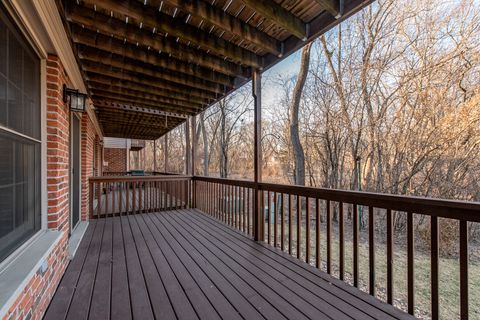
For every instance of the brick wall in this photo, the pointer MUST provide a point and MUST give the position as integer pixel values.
(58, 139)
(116, 158)
(34, 298)
(88, 149)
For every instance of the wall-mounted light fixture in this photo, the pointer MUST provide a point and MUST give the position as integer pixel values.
(75, 100)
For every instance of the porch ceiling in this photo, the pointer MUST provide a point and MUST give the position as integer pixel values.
(181, 56)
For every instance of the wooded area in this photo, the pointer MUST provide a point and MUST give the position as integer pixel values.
(393, 90)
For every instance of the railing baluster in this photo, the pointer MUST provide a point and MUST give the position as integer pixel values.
(290, 224)
(463, 229)
(134, 191)
(371, 250)
(268, 217)
(282, 223)
(389, 257)
(275, 219)
(434, 265)
(235, 210)
(248, 210)
(107, 199)
(355, 245)
(341, 240)
(307, 231)
(329, 237)
(299, 227)
(317, 234)
(411, 264)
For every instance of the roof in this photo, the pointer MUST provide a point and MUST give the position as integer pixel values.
(149, 64)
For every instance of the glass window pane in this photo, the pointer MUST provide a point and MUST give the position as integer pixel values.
(19, 199)
(19, 156)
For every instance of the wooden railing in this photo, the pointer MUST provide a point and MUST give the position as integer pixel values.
(121, 195)
(294, 220)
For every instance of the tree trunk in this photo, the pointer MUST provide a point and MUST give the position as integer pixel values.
(223, 142)
(298, 153)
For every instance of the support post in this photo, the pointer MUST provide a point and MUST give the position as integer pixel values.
(165, 153)
(258, 221)
(154, 156)
(194, 158)
(187, 147)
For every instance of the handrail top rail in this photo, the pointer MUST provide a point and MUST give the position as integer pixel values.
(452, 209)
(138, 178)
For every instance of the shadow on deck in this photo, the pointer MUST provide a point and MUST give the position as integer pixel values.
(186, 265)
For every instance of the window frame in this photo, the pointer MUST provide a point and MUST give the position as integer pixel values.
(30, 39)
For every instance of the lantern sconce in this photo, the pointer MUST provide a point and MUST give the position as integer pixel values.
(75, 100)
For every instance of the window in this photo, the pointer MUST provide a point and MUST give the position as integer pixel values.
(20, 145)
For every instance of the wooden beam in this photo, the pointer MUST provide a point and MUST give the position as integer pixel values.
(146, 102)
(165, 152)
(259, 221)
(226, 22)
(108, 26)
(125, 79)
(166, 24)
(109, 44)
(142, 102)
(149, 91)
(90, 56)
(136, 109)
(332, 6)
(280, 16)
(145, 96)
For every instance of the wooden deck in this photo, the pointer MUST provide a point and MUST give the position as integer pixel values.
(186, 265)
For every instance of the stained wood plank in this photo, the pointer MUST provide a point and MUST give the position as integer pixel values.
(160, 301)
(120, 294)
(312, 293)
(140, 301)
(80, 304)
(234, 288)
(197, 298)
(59, 306)
(184, 264)
(178, 298)
(100, 305)
(337, 287)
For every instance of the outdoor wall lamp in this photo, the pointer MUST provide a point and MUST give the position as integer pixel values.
(75, 100)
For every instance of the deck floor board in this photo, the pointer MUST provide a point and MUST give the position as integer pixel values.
(185, 265)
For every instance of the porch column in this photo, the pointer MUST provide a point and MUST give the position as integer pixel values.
(194, 148)
(187, 147)
(165, 153)
(258, 220)
(154, 155)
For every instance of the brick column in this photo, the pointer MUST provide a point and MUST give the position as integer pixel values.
(88, 145)
(58, 140)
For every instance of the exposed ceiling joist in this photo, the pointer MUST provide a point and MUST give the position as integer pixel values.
(118, 78)
(168, 25)
(120, 30)
(332, 6)
(94, 40)
(276, 13)
(99, 94)
(148, 91)
(92, 58)
(225, 21)
(155, 99)
(137, 109)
